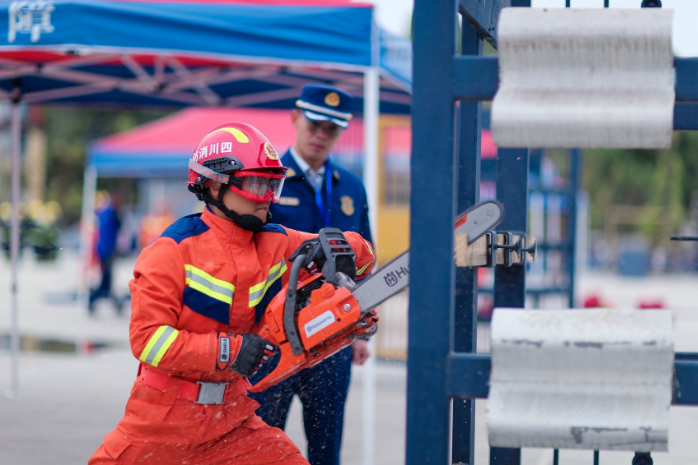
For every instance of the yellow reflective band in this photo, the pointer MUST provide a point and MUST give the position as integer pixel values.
(166, 345)
(208, 277)
(158, 344)
(363, 268)
(207, 284)
(239, 135)
(258, 291)
(213, 294)
(370, 249)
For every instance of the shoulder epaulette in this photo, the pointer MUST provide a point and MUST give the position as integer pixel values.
(273, 227)
(187, 226)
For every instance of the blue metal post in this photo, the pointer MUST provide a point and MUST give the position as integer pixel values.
(575, 174)
(465, 337)
(433, 209)
(510, 283)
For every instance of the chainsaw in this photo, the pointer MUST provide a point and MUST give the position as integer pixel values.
(317, 317)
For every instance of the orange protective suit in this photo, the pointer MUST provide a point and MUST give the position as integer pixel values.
(205, 277)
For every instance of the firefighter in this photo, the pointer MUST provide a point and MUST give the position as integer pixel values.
(198, 292)
(317, 194)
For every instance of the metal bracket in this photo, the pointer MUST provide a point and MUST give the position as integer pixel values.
(491, 246)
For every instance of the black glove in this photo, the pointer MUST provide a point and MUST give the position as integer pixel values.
(315, 254)
(254, 351)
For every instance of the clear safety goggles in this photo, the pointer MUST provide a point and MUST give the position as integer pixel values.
(259, 187)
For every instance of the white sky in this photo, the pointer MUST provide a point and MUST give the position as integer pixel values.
(394, 15)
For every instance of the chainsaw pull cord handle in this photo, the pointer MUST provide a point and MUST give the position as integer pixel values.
(290, 305)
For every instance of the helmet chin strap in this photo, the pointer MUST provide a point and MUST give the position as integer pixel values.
(248, 222)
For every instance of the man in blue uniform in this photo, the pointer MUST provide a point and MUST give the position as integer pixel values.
(318, 194)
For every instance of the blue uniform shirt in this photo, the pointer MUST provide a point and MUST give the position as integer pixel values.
(109, 225)
(297, 208)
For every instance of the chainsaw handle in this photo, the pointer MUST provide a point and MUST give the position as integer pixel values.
(339, 256)
(290, 305)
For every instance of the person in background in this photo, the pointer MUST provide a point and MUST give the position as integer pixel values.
(108, 226)
(319, 194)
(155, 223)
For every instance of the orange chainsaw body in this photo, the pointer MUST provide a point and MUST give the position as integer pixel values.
(328, 323)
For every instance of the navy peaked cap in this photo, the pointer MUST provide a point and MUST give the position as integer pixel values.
(326, 103)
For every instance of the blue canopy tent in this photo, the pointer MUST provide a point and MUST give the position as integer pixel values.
(210, 53)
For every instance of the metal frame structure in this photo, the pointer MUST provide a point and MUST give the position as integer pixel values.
(173, 82)
(445, 374)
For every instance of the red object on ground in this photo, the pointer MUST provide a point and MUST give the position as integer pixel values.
(649, 303)
(596, 301)
(592, 301)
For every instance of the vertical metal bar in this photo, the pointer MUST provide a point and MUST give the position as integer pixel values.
(596, 457)
(431, 233)
(371, 121)
(510, 283)
(575, 170)
(605, 3)
(14, 249)
(556, 457)
(465, 336)
(87, 221)
(371, 114)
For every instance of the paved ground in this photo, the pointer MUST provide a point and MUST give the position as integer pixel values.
(69, 401)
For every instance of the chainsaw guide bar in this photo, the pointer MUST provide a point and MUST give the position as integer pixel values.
(395, 275)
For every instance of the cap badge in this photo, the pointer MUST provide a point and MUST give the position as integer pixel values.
(347, 205)
(269, 150)
(332, 99)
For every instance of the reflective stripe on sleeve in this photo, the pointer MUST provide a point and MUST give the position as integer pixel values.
(158, 344)
(258, 290)
(207, 284)
(363, 268)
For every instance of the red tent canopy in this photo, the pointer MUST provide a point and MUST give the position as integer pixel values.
(163, 147)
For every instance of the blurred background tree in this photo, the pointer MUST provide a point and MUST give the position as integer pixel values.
(666, 179)
(69, 132)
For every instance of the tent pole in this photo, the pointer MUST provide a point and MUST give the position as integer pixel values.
(371, 96)
(89, 190)
(14, 250)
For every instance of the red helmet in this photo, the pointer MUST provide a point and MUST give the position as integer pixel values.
(241, 156)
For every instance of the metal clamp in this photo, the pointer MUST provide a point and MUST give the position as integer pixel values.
(507, 247)
(523, 250)
(211, 393)
(492, 251)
